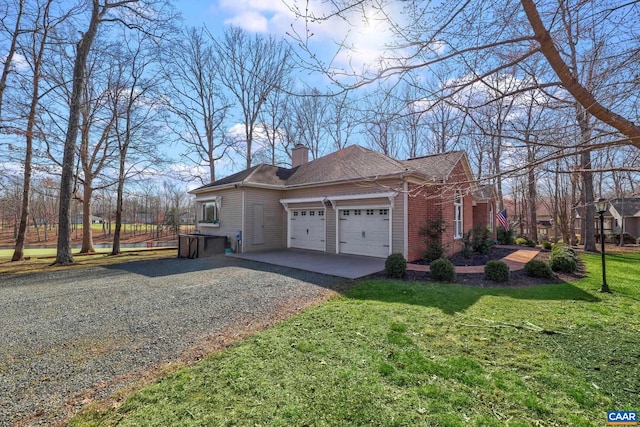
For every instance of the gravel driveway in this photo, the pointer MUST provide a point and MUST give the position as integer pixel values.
(69, 337)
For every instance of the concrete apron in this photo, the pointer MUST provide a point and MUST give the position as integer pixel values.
(347, 266)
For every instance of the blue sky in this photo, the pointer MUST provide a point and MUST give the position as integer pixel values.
(366, 33)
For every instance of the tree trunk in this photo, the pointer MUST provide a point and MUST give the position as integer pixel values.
(64, 255)
(115, 250)
(533, 195)
(588, 239)
(87, 231)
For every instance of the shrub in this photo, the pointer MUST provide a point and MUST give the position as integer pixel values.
(505, 237)
(547, 245)
(628, 239)
(497, 271)
(432, 233)
(395, 266)
(536, 268)
(531, 243)
(638, 241)
(481, 241)
(467, 245)
(563, 258)
(442, 270)
(521, 241)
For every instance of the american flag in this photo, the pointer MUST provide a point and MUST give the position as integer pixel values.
(502, 219)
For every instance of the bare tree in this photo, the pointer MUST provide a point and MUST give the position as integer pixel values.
(196, 100)
(251, 68)
(33, 50)
(341, 122)
(133, 91)
(12, 33)
(100, 12)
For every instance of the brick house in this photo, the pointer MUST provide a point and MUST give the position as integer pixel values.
(353, 201)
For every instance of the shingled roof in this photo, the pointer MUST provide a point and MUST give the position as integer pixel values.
(350, 163)
(484, 192)
(627, 207)
(435, 166)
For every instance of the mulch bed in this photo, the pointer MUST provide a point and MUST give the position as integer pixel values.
(518, 278)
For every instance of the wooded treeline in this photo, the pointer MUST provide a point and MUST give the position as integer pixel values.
(97, 95)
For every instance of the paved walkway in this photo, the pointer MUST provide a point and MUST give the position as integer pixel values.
(515, 261)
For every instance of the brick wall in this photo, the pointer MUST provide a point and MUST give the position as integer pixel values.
(430, 202)
(481, 213)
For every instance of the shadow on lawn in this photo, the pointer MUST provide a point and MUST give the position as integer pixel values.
(218, 265)
(453, 298)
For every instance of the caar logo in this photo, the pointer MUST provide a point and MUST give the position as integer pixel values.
(622, 418)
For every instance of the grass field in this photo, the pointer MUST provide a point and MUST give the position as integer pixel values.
(400, 353)
(40, 262)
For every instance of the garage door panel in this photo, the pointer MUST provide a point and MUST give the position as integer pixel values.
(307, 229)
(364, 232)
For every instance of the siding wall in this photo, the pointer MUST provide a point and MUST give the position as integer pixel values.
(230, 214)
(275, 217)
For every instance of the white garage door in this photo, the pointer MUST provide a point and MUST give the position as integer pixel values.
(307, 229)
(364, 232)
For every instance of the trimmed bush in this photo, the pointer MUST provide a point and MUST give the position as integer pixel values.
(498, 271)
(432, 232)
(536, 268)
(547, 245)
(481, 241)
(563, 258)
(628, 239)
(395, 266)
(442, 270)
(531, 243)
(521, 241)
(504, 237)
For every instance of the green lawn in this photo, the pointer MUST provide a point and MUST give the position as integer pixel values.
(394, 353)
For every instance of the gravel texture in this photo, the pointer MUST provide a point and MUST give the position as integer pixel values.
(70, 337)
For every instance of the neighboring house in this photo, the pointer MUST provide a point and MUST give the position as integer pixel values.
(625, 216)
(94, 219)
(353, 201)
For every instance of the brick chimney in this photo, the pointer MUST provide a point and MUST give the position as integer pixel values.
(299, 155)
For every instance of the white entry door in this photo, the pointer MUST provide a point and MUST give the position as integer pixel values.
(364, 232)
(307, 229)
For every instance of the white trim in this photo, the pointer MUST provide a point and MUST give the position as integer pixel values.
(458, 196)
(209, 199)
(206, 224)
(390, 195)
(325, 228)
(390, 229)
(342, 208)
(302, 200)
(405, 200)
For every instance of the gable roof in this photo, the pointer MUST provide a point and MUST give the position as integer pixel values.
(626, 207)
(348, 164)
(485, 193)
(436, 166)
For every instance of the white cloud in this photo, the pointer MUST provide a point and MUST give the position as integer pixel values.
(251, 21)
(366, 34)
(18, 62)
